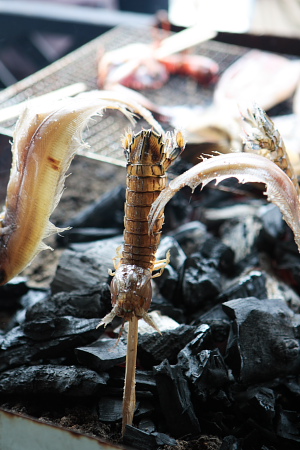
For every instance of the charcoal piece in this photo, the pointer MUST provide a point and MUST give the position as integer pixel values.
(39, 330)
(106, 212)
(177, 255)
(144, 440)
(241, 235)
(154, 348)
(168, 282)
(147, 425)
(201, 282)
(90, 303)
(190, 236)
(205, 370)
(85, 268)
(231, 443)
(213, 248)
(218, 322)
(52, 379)
(166, 308)
(11, 293)
(144, 379)
(263, 341)
(274, 226)
(175, 400)
(252, 285)
(259, 403)
(18, 349)
(102, 354)
(110, 409)
(87, 235)
(288, 426)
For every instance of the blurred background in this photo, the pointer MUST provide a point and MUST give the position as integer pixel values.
(35, 33)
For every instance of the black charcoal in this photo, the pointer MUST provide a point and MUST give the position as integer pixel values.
(11, 293)
(288, 426)
(251, 285)
(175, 400)
(206, 371)
(166, 307)
(177, 255)
(231, 443)
(145, 381)
(147, 425)
(110, 409)
(259, 403)
(89, 303)
(201, 282)
(102, 354)
(218, 322)
(52, 379)
(144, 440)
(190, 236)
(263, 342)
(168, 282)
(18, 349)
(213, 248)
(86, 267)
(274, 226)
(154, 348)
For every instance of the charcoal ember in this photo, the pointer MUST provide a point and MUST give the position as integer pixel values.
(201, 282)
(175, 400)
(89, 303)
(190, 236)
(259, 402)
(206, 371)
(288, 426)
(18, 349)
(102, 354)
(154, 348)
(106, 212)
(145, 440)
(254, 284)
(52, 379)
(167, 282)
(241, 235)
(85, 265)
(213, 248)
(177, 255)
(264, 339)
(11, 293)
(87, 235)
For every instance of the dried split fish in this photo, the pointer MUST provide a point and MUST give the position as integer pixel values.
(45, 141)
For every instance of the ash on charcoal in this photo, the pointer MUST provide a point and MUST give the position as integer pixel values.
(18, 349)
(254, 284)
(154, 348)
(102, 354)
(190, 236)
(175, 400)
(85, 265)
(11, 293)
(52, 379)
(241, 235)
(106, 212)
(144, 440)
(264, 339)
(89, 303)
(201, 282)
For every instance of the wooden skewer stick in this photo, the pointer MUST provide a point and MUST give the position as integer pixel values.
(129, 387)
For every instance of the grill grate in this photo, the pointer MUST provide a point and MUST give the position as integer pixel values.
(103, 135)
